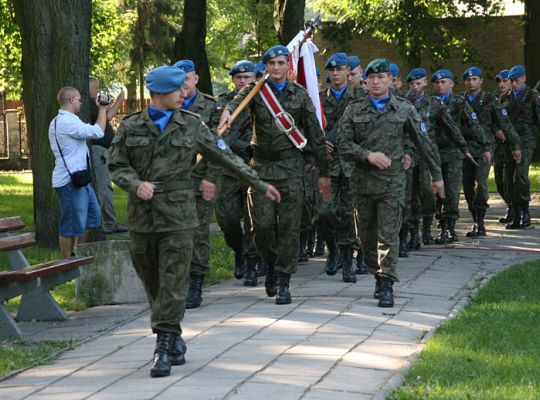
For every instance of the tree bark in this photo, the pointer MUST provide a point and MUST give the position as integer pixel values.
(56, 50)
(291, 19)
(191, 43)
(532, 41)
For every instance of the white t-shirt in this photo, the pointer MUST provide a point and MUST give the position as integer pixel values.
(72, 134)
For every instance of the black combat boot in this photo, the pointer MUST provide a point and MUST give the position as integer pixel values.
(283, 294)
(319, 247)
(161, 364)
(250, 276)
(333, 260)
(452, 235)
(310, 243)
(509, 217)
(526, 217)
(474, 229)
(403, 248)
(386, 296)
(378, 282)
(302, 250)
(239, 264)
(414, 241)
(360, 263)
(270, 281)
(480, 222)
(427, 238)
(516, 221)
(262, 267)
(194, 295)
(178, 351)
(443, 235)
(348, 271)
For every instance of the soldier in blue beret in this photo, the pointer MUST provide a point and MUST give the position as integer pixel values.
(259, 70)
(416, 73)
(503, 74)
(355, 75)
(152, 159)
(210, 111)
(242, 66)
(397, 83)
(443, 74)
(523, 105)
(275, 51)
(473, 71)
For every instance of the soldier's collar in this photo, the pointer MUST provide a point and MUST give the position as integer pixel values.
(393, 102)
(178, 117)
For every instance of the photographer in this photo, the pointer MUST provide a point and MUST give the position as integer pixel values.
(100, 160)
(71, 176)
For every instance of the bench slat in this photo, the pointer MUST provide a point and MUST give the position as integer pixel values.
(16, 242)
(45, 269)
(11, 224)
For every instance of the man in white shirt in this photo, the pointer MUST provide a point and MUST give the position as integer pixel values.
(67, 136)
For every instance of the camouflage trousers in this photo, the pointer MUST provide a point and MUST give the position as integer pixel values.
(419, 197)
(231, 210)
(335, 219)
(379, 220)
(502, 158)
(475, 183)
(161, 261)
(310, 198)
(277, 226)
(200, 263)
(517, 175)
(452, 172)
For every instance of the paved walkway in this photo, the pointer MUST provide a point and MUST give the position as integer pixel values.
(332, 342)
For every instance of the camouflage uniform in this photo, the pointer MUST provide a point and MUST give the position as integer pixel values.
(162, 229)
(524, 113)
(277, 161)
(379, 194)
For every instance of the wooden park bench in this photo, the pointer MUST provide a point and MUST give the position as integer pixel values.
(33, 282)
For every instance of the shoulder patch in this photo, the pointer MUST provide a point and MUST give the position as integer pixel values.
(474, 116)
(423, 128)
(504, 112)
(221, 144)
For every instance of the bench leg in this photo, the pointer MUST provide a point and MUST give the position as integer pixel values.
(39, 305)
(8, 327)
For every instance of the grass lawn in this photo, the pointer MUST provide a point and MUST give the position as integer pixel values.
(491, 350)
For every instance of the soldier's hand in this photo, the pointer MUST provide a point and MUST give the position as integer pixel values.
(225, 120)
(325, 188)
(380, 160)
(145, 191)
(471, 159)
(208, 190)
(517, 156)
(438, 188)
(406, 161)
(273, 194)
(500, 136)
(486, 156)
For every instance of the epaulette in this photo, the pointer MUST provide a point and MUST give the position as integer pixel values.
(131, 115)
(190, 113)
(207, 96)
(297, 84)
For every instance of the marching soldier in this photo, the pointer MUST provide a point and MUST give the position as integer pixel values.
(355, 75)
(523, 105)
(375, 138)
(210, 111)
(494, 119)
(152, 158)
(276, 158)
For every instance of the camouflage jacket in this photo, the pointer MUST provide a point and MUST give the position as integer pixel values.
(332, 113)
(139, 153)
(274, 155)
(493, 117)
(524, 113)
(364, 130)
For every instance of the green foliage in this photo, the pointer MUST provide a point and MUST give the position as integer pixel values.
(10, 52)
(491, 350)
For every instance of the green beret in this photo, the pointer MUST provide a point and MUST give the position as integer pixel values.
(378, 66)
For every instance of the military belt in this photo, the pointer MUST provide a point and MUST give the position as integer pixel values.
(169, 186)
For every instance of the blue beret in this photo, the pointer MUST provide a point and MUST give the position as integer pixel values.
(275, 51)
(259, 69)
(517, 71)
(377, 66)
(473, 71)
(394, 69)
(242, 66)
(443, 74)
(185, 65)
(364, 75)
(502, 75)
(327, 79)
(353, 61)
(416, 73)
(318, 72)
(165, 79)
(336, 60)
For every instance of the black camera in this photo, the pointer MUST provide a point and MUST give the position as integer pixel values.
(104, 99)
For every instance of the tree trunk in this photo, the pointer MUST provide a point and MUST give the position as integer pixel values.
(56, 50)
(532, 41)
(191, 43)
(291, 19)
